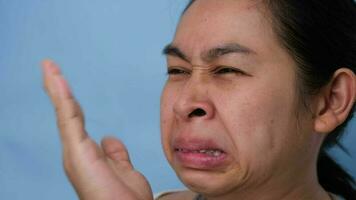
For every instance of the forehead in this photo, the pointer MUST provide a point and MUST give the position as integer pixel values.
(210, 23)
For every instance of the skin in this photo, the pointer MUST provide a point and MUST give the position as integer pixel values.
(96, 172)
(251, 108)
(252, 114)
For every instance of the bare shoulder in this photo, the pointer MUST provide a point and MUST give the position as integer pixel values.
(181, 195)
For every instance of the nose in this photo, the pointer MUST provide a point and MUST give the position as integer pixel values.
(194, 103)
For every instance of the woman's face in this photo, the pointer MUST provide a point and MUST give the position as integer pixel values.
(229, 107)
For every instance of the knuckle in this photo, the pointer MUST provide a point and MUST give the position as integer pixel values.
(68, 166)
(68, 162)
(64, 117)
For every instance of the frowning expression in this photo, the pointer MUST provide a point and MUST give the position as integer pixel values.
(228, 109)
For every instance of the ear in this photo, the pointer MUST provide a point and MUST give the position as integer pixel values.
(335, 101)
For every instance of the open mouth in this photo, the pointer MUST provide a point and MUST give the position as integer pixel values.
(208, 152)
(201, 158)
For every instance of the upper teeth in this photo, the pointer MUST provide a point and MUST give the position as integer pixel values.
(211, 152)
(206, 151)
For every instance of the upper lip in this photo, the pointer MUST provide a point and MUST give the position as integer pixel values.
(196, 144)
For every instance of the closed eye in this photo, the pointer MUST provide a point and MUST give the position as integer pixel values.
(176, 71)
(227, 70)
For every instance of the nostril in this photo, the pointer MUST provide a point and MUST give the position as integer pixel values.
(197, 113)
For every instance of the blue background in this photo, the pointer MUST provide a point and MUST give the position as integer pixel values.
(110, 51)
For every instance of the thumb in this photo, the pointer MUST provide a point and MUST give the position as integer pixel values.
(117, 152)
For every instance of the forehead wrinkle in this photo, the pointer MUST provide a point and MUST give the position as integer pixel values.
(210, 54)
(224, 49)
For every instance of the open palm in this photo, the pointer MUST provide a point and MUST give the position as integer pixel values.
(96, 172)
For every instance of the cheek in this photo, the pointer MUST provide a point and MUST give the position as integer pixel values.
(166, 117)
(259, 121)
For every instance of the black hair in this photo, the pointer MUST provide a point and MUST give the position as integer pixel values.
(321, 37)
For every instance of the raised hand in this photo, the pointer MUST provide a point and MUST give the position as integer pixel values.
(97, 173)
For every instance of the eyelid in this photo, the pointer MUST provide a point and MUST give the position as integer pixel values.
(179, 70)
(233, 69)
(175, 70)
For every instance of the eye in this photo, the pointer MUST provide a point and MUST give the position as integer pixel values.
(227, 70)
(176, 71)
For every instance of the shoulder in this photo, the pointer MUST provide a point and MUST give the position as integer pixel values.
(175, 195)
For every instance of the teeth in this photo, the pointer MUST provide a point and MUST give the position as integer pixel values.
(217, 153)
(214, 153)
(210, 152)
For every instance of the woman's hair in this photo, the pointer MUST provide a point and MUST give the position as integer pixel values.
(321, 37)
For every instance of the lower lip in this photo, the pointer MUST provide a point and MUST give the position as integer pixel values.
(202, 161)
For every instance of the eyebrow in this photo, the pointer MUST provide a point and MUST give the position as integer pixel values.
(219, 51)
(211, 54)
(172, 50)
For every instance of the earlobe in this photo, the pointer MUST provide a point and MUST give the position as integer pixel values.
(335, 101)
(325, 123)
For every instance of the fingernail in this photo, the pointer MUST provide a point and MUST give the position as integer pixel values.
(49, 67)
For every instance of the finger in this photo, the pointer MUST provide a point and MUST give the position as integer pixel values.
(49, 71)
(54, 82)
(70, 118)
(117, 152)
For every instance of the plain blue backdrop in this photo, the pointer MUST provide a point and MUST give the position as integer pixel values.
(110, 51)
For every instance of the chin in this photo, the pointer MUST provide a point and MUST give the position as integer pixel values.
(209, 183)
